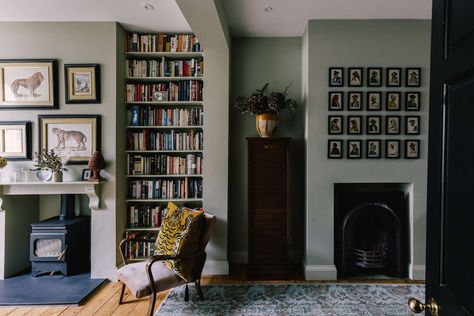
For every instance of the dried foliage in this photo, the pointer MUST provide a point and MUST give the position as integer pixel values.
(49, 159)
(3, 162)
(262, 102)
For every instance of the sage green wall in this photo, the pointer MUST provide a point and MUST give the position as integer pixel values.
(255, 61)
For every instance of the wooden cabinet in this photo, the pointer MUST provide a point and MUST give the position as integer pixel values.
(268, 208)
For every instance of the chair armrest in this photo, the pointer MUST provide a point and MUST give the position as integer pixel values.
(124, 241)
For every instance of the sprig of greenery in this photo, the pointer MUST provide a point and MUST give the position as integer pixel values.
(49, 159)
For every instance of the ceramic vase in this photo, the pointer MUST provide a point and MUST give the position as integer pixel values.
(266, 123)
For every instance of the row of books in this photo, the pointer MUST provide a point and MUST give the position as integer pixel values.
(146, 43)
(164, 140)
(145, 216)
(164, 165)
(165, 68)
(140, 249)
(165, 189)
(188, 90)
(153, 116)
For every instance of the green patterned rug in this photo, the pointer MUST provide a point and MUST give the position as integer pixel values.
(294, 299)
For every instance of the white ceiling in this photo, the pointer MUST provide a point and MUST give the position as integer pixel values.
(289, 17)
(165, 17)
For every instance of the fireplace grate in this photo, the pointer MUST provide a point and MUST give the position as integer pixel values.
(376, 258)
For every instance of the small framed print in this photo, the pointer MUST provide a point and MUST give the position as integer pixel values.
(354, 124)
(336, 77)
(374, 101)
(392, 101)
(374, 125)
(374, 77)
(335, 124)
(412, 101)
(335, 149)
(394, 77)
(413, 77)
(82, 82)
(86, 174)
(412, 125)
(15, 140)
(354, 101)
(412, 149)
(354, 149)
(336, 100)
(392, 125)
(373, 148)
(160, 96)
(392, 149)
(355, 77)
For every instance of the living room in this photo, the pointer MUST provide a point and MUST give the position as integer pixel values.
(300, 128)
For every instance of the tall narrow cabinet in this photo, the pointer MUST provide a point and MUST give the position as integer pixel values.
(268, 208)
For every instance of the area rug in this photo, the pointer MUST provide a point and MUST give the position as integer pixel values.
(294, 299)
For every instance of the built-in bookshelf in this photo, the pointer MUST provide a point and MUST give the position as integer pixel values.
(165, 140)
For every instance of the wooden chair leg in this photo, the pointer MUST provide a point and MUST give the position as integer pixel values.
(151, 307)
(199, 289)
(121, 294)
(186, 294)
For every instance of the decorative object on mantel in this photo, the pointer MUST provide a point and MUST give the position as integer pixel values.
(96, 164)
(3, 164)
(266, 107)
(50, 165)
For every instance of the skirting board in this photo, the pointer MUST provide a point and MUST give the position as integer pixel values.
(320, 272)
(417, 271)
(214, 267)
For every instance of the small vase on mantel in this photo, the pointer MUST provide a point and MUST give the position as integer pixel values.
(266, 123)
(58, 176)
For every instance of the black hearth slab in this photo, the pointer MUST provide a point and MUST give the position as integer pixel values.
(47, 290)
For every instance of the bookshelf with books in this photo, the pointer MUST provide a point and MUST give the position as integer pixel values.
(165, 140)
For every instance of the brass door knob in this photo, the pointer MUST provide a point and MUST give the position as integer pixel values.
(417, 307)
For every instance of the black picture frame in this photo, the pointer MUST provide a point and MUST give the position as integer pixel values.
(330, 77)
(370, 154)
(352, 153)
(412, 101)
(410, 81)
(370, 105)
(370, 125)
(410, 152)
(390, 144)
(355, 77)
(374, 81)
(410, 127)
(27, 154)
(351, 128)
(390, 128)
(355, 104)
(95, 93)
(331, 124)
(340, 147)
(390, 78)
(389, 101)
(86, 174)
(331, 101)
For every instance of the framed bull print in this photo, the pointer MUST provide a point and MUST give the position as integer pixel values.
(28, 84)
(76, 137)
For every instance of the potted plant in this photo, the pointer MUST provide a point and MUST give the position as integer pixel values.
(49, 165)
(3, 164)
(266, 107)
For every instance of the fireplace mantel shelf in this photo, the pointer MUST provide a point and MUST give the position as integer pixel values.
(91, 189)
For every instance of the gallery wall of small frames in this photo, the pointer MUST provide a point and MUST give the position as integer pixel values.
(381, 98)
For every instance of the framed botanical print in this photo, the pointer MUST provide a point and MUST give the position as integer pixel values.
(334, 149)
(76, 137)
(82, 82)
(412, 101)
(373, 148)
(355, 77)
(335, 101)
(28, 84)
(412, 125)
(392, 125)
(374, 125)
(354, 101)
(412, 149)
(393, 101)
(392, 149)
(374, 101)
(413, 77)
(354, 124)
(394, 77)
(335, 124)
(354, 149)
(336, 77)
(15, 140)
(374, 77)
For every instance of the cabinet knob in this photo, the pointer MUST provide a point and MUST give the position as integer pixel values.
(268, 146)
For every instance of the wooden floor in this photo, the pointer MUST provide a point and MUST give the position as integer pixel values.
(105, 300)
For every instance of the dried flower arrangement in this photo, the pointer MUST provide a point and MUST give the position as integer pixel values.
(49, 159)
(262, 102)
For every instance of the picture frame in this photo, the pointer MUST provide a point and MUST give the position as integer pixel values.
(354, 125)
(412, 149)
(392, 124)
(374, 77)
(336, 77)
(373, 125)
(335, 124)
(335, 101)
(354, 149)
(412, 125)
(412, 101)
(393, 77)
(354, 101)
(15, 140)
(82, 83)
(373, 148)
(374, 101)
(393, 101)
(29, 84)
(86, 174)
(335, 148)
(412, 77)
(355, 77)
(392, 149)
(75, 136)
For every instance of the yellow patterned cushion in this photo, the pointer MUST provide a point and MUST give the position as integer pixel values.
(179, 234)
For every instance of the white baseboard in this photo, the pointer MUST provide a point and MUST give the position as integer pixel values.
(239, 257)
(320, 272)
(417, 271)
(214, 267)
